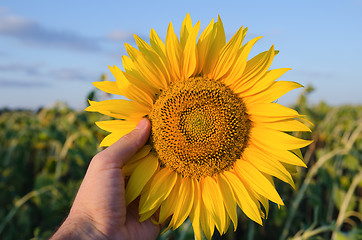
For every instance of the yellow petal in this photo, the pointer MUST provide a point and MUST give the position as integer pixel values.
(189, 58)
(173, 53)
(212, 199)
(133, 76)
(284, 156)
(128, 169)
(132, 164)
(227, 225)
(258, 63)
(217, 42)
(158, 45)
(152, 56)
(118, 128)
(277, 139)
(304, 120)
(111, 138)
(160, 187)
(289, 125)
(119, 108)
(267, 164)
(228, 55)
(206, 221)
(132, 71)
(265, 81)
(264, 119)
(275, 91)
(132, 79)
(257, 181)
(128, 65)
(108, 87)
(195, 211)
(117, 125)
(140, 176)
(147, 69)
(203, 46)
(183, 203)
(254, 70)
(145, 48)
(186, 29)
(143, 152)
(272, 111)
(264, 201)
(238, 70)
(229, 199)
(270, 179)
(168, 206)
(247, 204)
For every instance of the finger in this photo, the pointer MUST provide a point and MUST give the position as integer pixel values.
(116, 155)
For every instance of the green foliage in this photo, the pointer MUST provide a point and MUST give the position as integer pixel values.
(44, 156)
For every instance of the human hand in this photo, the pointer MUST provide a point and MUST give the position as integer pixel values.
(99, 210)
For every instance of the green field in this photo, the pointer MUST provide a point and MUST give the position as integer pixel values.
(44, 156)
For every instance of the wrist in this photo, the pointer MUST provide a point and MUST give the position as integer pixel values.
(78, 228)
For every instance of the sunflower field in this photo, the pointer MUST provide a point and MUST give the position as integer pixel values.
(44, 156)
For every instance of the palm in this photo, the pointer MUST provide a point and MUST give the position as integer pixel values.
(105, 189)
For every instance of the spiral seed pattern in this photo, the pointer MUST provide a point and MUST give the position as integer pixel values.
(199, 127)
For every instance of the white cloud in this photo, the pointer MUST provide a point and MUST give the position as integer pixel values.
(37, 71)
(31, 33)
(119, 35)
(29, 69)
(16, 83)
(71, 74)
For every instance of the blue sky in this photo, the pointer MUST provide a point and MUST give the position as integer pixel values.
(53, 50)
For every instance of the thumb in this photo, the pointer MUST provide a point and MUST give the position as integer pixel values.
(116, 155)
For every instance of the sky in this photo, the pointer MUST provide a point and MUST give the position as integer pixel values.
(53, 50)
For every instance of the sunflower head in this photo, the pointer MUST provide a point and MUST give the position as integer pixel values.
(218, 137)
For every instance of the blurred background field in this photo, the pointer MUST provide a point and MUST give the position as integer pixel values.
(44, 155)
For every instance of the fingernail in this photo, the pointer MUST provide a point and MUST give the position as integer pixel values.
(142, 124)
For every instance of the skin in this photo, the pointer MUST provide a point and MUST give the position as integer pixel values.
(99, 210)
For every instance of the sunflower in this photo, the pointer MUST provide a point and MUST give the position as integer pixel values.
(218, 136)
